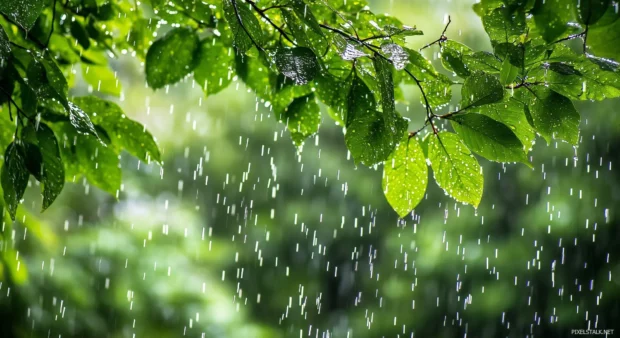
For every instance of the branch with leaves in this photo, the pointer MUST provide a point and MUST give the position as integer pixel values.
(293, 54)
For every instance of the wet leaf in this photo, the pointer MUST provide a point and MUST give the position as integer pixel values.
(171, 58)
(14, 177)
(23, 12)
(53, 172)
(491, 139)
(214, 71)
(480, 89)
(302, 118)
(99, 164)
(243, 24)
(455, 169)
(554, 115)
(80, 120)
(298, 64)
(369, 137)
(405, 176)
(124, 132)
(452, 54)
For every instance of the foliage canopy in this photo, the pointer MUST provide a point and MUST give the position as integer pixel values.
(295, 54)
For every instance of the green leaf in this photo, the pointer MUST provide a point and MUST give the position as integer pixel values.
(604, 40)
(480, 89)
(303, 12)
(405, 176)
(508, 73)
(79, 33)
(23, 12)
(14, 177)
(242, 22)
(333, 92)
(585, 79)
(554, 115)
(452, 54)
(483, 61)
(503, 25)
(102, 79)
(455, 169)
(590, 11)
(302, 118)
(99, 164)
(489, 138)
(171, 58)
(298, 64)
(141, 35)
(214, 71)
(360, 100)
(5, 50)
(53, 172)
(348, 50)
(552, 18)
(436, 86)
(81, 121)
(124, 132)
(511, 113)
(383, 70)
(396, 54)
(370, 138)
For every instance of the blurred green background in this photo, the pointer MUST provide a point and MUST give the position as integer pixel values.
(240, 235)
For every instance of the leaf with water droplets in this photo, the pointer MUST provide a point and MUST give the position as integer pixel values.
(504, 25)
(405, 176)
(455, 169)
(370, 138)
(298, 64)
(590, 11)
(99, 164)
(452, 54)
(303, 12)
(396, 54)
(348, 50)
(552, 18)
(480, 89)
(302, 118)
(81, 121)
(124, 133)
(14, 177)
(171, 58)
(5, 49)
(214, 71)
(553, 115)
(489, 138)
(511, 113)
(385, 82)
(243, 24)
(53, 172)
(23, 12)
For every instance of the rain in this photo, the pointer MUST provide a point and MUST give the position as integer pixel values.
(242, 230)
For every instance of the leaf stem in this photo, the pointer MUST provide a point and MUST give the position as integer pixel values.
(442, 38)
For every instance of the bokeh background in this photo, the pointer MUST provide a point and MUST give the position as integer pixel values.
(238, 234)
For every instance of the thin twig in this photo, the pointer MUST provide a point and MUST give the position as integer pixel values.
(443, 36)
(262, 14)
(570, 37)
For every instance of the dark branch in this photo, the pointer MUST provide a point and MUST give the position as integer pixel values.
(443, 36)
(276, 27)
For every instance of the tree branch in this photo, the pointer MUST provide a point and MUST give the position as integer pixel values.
(276, 27)
(443, 36)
